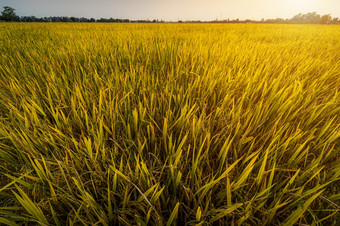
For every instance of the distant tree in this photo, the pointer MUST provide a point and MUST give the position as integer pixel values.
(8, 14)
(308, 18)
(326, 19)
(29, 19)
(335, 20)
(312, 18)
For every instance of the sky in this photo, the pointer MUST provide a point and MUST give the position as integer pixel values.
(173, 10)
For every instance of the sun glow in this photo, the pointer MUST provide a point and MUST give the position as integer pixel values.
(303, 5)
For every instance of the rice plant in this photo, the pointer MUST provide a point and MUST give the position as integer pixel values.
(169, 124)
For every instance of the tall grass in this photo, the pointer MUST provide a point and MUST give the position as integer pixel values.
(169, 124)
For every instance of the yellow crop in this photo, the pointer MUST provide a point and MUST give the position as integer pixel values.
(163, 124)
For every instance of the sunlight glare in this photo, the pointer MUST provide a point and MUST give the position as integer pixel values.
(302, 5)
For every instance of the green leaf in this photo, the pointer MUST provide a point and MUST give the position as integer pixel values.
(173, 215)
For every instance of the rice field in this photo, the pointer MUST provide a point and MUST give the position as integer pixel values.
(169, 124)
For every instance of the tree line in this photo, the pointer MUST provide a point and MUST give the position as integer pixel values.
(8, 14)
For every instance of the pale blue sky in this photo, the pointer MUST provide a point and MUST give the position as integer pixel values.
(173, 9)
